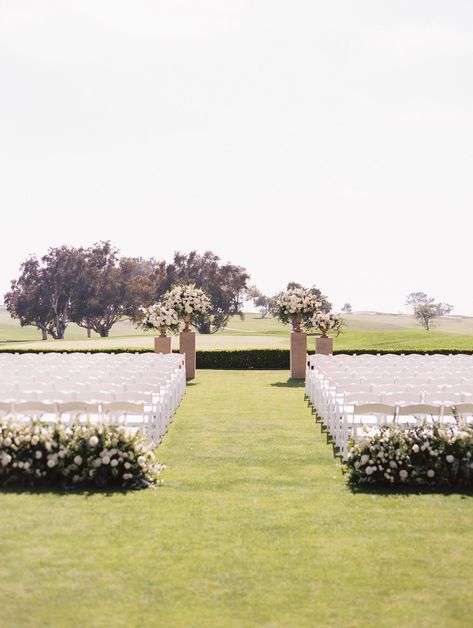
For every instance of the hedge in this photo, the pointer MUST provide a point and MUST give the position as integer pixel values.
(236, 359)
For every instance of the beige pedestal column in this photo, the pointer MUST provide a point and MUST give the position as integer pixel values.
(187, 346)
(162, 344)
(298, 354)
(324, 345)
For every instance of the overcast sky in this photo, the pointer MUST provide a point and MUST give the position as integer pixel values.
(329, 143)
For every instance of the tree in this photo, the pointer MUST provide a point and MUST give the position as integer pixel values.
(42, 294)
(415, 299)
(347, 308)
(225, 284)
(27, 299)
(107, 289)
(260, 300)
(425, 309)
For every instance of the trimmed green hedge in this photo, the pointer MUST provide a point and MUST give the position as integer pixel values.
(243, 359)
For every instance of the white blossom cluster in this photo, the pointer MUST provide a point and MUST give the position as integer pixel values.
(187, 299)
(158, 316)
(327, 322)
(433, 455)
(43, 454)
(296, 301)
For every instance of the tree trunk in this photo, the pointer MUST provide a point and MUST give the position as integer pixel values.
(89, 332)
(44, 334)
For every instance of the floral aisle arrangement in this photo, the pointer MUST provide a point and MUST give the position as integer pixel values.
(187, 300)
(327, 322)
(74, 455)
(159, 316)
(430, 455)
(298, 305)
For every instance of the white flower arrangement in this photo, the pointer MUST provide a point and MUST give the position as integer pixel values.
(41, 454)
(327, 322)
(187, 300)
(159, 316)
(431, 455)
(297, 302)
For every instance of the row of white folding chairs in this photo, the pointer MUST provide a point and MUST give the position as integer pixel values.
(357, 419)
(328, 395)
(317, 383)
(151, 419)
(328, 398)
(330, 416)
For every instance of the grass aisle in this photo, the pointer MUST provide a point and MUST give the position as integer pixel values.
(254, 526)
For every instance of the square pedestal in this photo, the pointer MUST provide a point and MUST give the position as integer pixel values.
(298, 354)
(187, 346)
(162, 344)
(324, 345)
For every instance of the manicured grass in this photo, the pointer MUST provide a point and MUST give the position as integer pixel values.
(364, 331)
(254, 526)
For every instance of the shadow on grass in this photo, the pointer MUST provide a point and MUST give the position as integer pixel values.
(289, 383)
(409, 491)
(66, 492)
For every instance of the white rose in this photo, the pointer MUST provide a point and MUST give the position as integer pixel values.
(34, 440)
(415, 448)
(364, 459)
(38, 455)
(7, 442)
(93, 441)
(430, 473)
(403, 474)
(105, 460)
(127, 465)
(450, 458)
(78, 460)
(370, 470)
(114, 462)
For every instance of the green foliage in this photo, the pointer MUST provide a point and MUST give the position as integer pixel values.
(225, 284)
(77, 455)
(435, 456)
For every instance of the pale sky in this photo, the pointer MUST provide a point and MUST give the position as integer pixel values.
(329, 143)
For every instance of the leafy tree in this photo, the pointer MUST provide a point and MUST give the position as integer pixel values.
(425, 309)
(415, 299)
(107, 289)
(27, 299)
(225, 284)
(347, 308)
(42, 294)
(260, 301)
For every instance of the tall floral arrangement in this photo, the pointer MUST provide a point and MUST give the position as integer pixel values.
(327, 322)
(187, 300)
(159, 316)
(297, 305)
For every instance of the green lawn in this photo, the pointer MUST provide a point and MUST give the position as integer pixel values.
(364, 331)
(254, 526)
